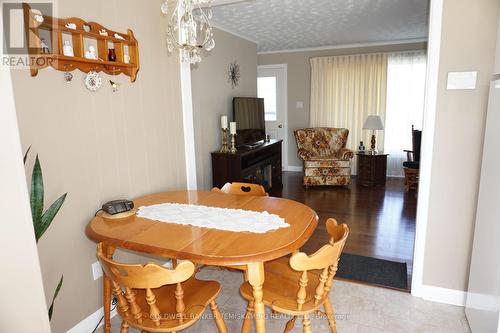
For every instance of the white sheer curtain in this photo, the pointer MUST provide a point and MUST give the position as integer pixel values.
(404, 105)
(345, 90)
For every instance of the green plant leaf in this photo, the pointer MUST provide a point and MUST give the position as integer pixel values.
(36, 198)
(48, 216)
(26, 155)
(56, 292)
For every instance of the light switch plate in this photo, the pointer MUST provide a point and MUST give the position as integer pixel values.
(300, 105)
(96, 270)
(462, 80)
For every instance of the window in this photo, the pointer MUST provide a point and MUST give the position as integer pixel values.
(266, 88)
(405, 105)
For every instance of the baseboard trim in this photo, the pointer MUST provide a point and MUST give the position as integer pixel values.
(440, 295)
(88, 324)
(294, 168)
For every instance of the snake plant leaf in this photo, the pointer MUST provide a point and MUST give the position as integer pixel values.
(56, 292)
(48, 216)
(36, 198)
(26, 155)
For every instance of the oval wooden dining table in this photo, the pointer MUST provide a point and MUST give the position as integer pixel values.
(205, 245)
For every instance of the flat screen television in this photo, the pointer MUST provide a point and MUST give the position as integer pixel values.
(248, 113)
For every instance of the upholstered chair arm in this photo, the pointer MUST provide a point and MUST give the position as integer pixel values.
(346, 154)
(304, 154)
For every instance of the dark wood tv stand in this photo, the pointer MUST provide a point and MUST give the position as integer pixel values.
(258, 165)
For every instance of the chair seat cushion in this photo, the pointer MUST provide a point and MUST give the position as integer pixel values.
(411, 165)
(281, 284)
(327, 180)
(327, 162)
(197, 295)
(328, 171)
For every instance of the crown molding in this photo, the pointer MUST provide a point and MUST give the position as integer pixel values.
(348, 46)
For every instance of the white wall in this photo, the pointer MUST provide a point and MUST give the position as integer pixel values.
(469, 34)
(22, 308)
(497, 56)
(213, 95)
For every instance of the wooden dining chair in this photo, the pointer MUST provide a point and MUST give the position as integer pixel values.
(154, 298)
(242, 188)
(301, 285)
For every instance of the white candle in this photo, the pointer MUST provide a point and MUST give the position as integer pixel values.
(232, 127)
(223, 122)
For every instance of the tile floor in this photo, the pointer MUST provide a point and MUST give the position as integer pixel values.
(359, 309)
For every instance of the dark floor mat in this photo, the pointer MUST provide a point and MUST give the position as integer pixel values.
(374, 271)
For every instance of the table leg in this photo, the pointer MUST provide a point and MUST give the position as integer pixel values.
(106, 297)
(255, 276)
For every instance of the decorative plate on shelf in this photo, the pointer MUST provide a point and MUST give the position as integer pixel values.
(93, 81)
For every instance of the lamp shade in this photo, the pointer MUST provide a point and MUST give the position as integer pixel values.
(373, 123)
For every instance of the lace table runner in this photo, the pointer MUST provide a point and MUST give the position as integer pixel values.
(213, 217)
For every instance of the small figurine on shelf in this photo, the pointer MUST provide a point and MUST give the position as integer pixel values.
(117, 36)
(67, 49)
(90, 53)
(45, 48)
(111, 55)
(37, 16)
(71, 26)
(103, 32)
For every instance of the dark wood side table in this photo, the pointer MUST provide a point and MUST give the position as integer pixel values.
(372, 169)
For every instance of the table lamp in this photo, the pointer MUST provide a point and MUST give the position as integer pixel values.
(373, 123)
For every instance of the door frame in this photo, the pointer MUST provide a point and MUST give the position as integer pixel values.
(428, 129)
(284, 68)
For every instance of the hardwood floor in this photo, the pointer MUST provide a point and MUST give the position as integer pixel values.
(381, 219)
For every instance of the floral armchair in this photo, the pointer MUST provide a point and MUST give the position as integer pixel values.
(326, 159)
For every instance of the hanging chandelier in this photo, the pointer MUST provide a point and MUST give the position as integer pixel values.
(189, 28)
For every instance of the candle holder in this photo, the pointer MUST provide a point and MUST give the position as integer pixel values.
(233, 144)
(224, 149)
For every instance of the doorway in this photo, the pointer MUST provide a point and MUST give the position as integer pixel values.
(272, 86)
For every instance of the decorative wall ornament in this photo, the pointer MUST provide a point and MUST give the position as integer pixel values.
(93, 81)
(189, 28)
(68, 77)
(234, 74)
(114, 85)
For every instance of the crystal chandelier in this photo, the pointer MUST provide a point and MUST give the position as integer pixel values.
(192, 32)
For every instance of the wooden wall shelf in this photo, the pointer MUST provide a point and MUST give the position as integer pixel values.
(57, 31)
